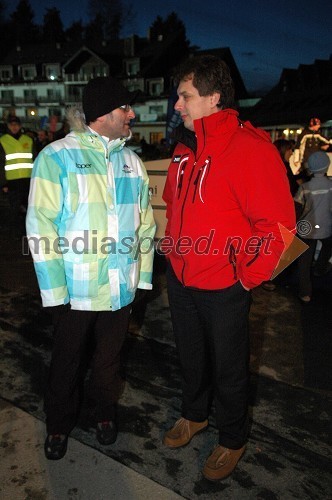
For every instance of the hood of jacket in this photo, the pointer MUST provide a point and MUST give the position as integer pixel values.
(87, 136)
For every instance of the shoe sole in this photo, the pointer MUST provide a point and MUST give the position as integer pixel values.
(185, 444)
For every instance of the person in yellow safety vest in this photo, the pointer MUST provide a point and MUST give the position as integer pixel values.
(16, 161)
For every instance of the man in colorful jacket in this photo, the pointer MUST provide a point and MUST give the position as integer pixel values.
(17, 152)
(227, 196)
(309, 141)
(90, 229)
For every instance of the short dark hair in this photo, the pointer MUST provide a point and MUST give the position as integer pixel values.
(282, 146)
(209, 74)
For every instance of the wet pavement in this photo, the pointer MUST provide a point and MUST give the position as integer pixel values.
(289, 449)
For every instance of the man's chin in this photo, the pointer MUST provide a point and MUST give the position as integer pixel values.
(188, 126)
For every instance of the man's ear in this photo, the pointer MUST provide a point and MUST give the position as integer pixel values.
(214, 99)
(101, 119)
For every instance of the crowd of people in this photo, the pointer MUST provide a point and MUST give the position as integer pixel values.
(307, 164)
(90, 228)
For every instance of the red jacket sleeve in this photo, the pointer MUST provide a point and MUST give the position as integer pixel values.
(266, 201)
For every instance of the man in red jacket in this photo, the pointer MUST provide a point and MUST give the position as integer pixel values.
(227, 196)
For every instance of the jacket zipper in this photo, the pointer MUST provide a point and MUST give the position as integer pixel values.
(182, 210)
(196, 183)
(232, 260)
(185, 199)
(181, 178)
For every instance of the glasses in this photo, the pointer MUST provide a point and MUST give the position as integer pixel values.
(126, 108)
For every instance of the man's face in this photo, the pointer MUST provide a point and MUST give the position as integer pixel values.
(41, 135)
(14, 127)
(192, 106)
(117, 123)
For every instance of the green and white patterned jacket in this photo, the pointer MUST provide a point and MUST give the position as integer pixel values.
(90, 224)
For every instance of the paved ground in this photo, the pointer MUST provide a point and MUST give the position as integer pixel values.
(289, 450)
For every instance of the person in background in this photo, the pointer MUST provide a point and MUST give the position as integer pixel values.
(315, 222)
(285, 149)
(90, 230)
(309, 141)
(42, 139)
(17, 153)
(63, 130)
(226, 194)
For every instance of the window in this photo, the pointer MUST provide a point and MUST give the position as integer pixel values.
(155, 137)
(51, 93)
(30, 95)
(135, 84)
(155, 87)
(28, 72)
(156, 109)
(132, 67)
(52, 71)
(7, 95)
(6, 73)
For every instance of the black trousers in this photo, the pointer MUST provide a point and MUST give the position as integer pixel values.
(18, 193)
(74, 333)
(211, 334)
(305, 263)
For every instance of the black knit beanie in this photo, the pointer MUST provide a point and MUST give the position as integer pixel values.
(104, 94)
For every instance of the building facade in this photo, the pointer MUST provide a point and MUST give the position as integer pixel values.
(38, 82)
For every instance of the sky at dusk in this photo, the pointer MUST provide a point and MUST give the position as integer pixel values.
(264, 36)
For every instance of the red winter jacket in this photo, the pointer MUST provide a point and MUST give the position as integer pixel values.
(226, 192)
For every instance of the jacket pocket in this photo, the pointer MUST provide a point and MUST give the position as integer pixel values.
(81, 275)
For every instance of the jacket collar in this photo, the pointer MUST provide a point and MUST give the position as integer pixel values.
(216, 129)
(90, 139)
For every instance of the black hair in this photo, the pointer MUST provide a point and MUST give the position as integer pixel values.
(209, 74)
(282, 146)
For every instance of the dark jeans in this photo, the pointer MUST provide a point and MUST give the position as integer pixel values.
(74, 333)
(18, 193)
(211, 334)
(305, 263)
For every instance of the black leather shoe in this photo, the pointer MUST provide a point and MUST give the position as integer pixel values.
(55, 446)
(107, 432)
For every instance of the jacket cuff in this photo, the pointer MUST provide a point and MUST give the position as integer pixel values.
(144, 286)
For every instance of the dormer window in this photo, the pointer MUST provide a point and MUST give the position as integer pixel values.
(28, 71)
(6, 73)
(156, 86)
(52, 71)
(132, 67)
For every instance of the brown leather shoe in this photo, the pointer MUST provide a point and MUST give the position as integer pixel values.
(222, 462)
(182, 432)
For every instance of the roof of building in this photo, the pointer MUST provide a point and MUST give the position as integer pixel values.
(59, 52)
(299, 94)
